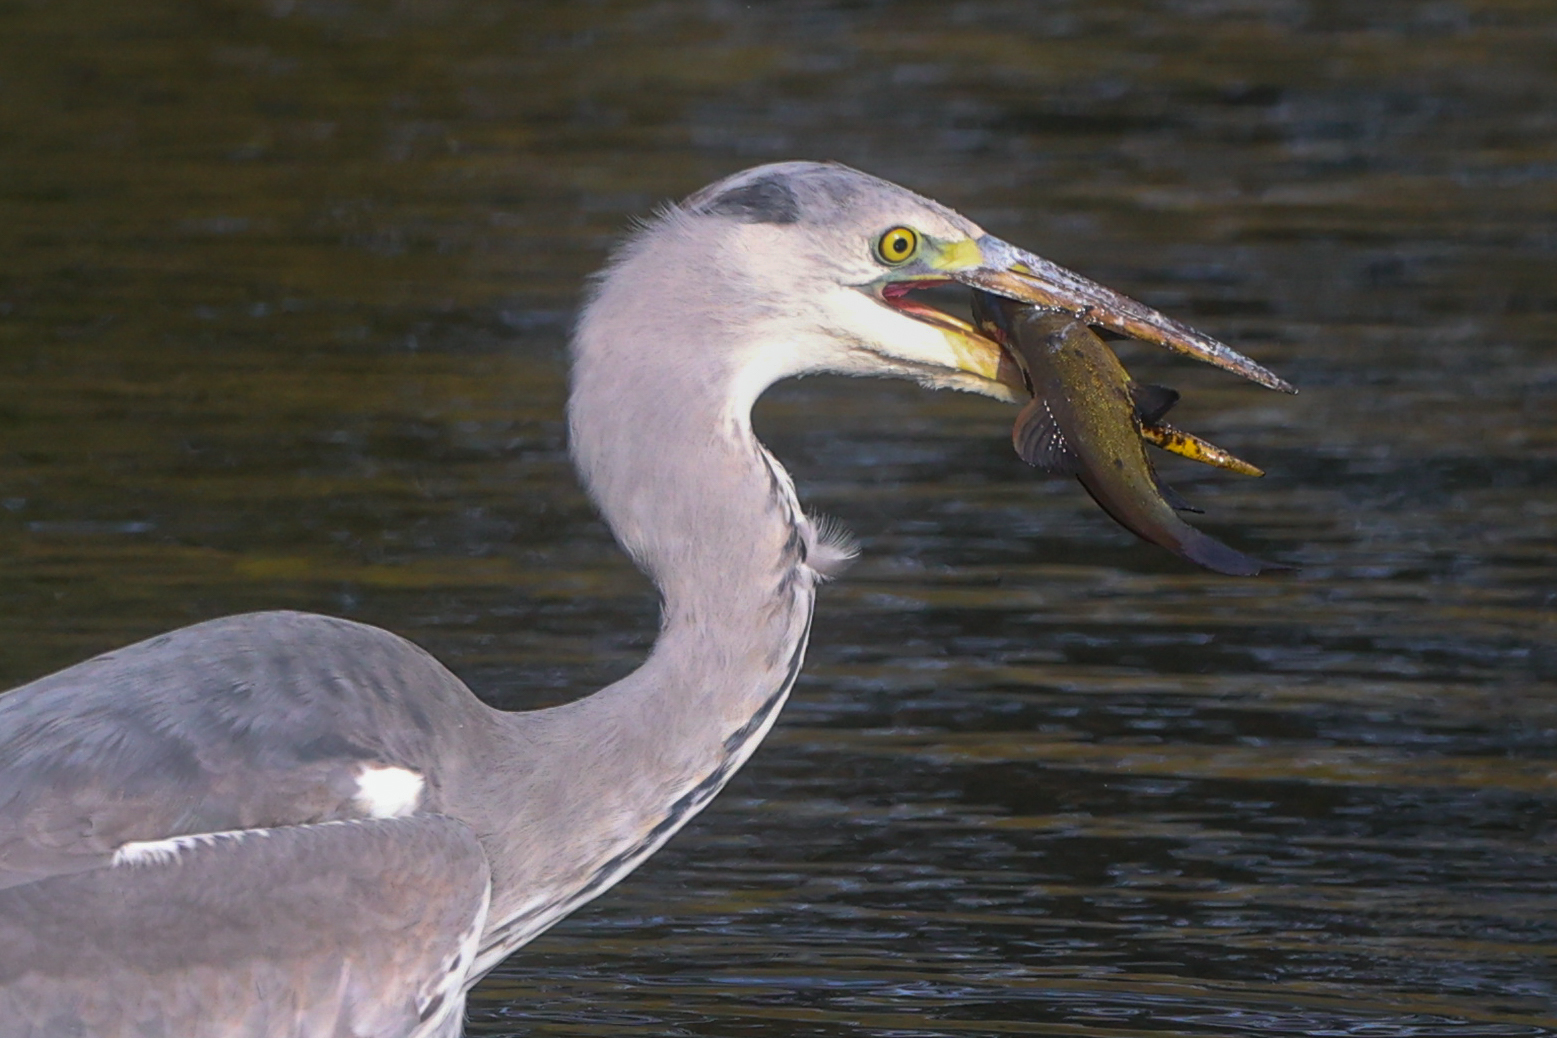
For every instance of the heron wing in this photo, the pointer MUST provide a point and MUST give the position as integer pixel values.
(341, 928)
(262, 720)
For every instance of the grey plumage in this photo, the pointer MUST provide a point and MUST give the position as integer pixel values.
(237, 723)
(173, 947)
(285, 824)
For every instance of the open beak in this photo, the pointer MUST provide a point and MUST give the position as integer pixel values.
(1017, 274)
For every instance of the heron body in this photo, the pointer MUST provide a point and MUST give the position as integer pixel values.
(282, 824)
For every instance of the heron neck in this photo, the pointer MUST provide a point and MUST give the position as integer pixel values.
(723, 538)
(713, 519)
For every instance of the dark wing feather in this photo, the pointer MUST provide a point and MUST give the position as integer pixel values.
(363, 927)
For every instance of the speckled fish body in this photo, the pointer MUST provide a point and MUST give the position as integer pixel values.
(1085, 420)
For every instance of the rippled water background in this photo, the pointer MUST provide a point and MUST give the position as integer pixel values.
(283, 295)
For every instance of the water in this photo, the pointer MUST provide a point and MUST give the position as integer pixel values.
(283, 295)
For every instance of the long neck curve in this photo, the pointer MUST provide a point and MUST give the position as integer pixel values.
(660, 432)
(659, 418)
(712, 518)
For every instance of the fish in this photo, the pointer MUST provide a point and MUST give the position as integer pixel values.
(1089, 419)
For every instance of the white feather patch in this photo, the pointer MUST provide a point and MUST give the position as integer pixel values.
(387, 791)
(163, 852)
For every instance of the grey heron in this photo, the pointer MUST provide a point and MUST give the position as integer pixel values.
(288, 824)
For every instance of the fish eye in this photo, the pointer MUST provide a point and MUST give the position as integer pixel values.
(897, 246)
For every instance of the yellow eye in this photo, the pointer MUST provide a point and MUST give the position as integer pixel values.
(897, 246)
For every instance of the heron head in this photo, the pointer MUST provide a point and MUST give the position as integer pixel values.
(826, 260)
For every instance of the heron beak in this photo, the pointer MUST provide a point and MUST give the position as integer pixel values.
(1017, 274)
(981, 364)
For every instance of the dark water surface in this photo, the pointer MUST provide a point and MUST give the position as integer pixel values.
(283, 295)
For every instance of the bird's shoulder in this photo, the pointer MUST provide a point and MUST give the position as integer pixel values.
(250, 721)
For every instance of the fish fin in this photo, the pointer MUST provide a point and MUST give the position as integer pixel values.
(1152, 402)
(1174, 498)
(1205, 550)
(1041, 442)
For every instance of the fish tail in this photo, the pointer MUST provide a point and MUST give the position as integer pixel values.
(1211, 553)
